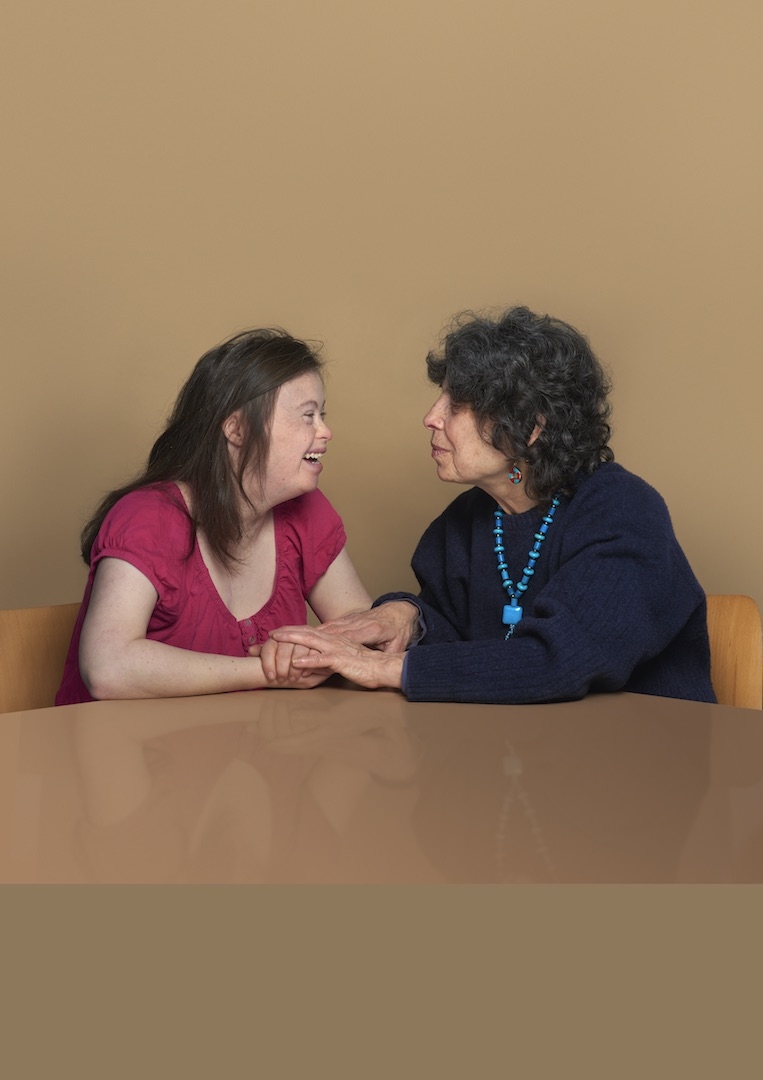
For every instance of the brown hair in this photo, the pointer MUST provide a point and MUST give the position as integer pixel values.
(243, 373)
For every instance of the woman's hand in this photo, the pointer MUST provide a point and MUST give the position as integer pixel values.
(277, 659)
(390, 627)
(335, 652)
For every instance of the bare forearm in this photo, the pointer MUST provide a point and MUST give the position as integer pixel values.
(148, 669)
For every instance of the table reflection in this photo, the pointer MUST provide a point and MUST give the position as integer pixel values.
(344, 785)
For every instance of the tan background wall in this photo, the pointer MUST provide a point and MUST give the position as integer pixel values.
(175, 171)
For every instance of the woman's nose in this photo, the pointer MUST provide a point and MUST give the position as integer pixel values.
(434, 417)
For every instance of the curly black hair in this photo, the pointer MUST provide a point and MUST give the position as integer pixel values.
(521, 370)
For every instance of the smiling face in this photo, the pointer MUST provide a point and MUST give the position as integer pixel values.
(298, 439)
(297, 442)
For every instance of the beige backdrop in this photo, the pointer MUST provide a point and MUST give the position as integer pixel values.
(357, 172)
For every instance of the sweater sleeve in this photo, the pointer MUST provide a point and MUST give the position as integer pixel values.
(617, 594)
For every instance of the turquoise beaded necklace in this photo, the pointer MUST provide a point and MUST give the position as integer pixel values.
(512, 612)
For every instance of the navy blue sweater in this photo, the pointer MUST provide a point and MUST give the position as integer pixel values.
(613, 604)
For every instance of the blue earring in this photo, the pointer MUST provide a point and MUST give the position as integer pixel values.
(515, 475)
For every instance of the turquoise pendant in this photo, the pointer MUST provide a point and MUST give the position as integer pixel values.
(511, 614)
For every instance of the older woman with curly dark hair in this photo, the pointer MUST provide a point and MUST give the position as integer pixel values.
(557, 573)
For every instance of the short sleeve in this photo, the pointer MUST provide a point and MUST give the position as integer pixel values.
(316, 530)
(150, 529)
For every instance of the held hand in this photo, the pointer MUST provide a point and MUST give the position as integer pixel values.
(336, 653)
(388, 628)
(276, 659)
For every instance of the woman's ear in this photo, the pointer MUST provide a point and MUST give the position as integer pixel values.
(540, 423)
(233, 429)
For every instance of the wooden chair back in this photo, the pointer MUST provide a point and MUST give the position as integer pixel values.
(736, 650)
(33, 647)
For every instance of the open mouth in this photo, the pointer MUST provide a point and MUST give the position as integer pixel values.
(315, 458)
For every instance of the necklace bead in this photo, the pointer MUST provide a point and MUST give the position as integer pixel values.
(512, 612)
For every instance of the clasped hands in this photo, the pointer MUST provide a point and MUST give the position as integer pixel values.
(366, 647)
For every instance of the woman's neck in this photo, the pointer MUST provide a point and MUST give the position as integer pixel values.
(253, 522)
(512, 498)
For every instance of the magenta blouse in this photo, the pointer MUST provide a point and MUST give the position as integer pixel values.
(151, 529)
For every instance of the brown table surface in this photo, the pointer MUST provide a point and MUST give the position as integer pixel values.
(339, 784)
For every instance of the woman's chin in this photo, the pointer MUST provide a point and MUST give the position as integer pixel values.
(445, 474)
(304, 487)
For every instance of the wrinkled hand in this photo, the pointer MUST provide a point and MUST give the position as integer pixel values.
(335, 652)
(388, 628)
(277, 665)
